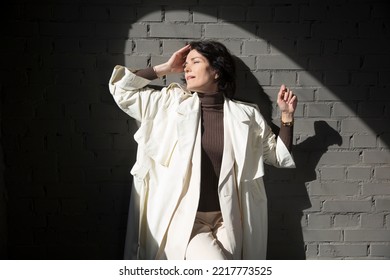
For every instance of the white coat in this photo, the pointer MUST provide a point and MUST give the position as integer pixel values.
(166, 187)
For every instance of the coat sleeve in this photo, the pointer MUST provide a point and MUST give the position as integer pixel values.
(275, 151)
(132, 95)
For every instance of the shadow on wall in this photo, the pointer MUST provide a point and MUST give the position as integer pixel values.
(68, 149)
(286, 188)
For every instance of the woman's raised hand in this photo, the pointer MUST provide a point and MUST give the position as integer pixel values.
(287, 102)
(174, 64)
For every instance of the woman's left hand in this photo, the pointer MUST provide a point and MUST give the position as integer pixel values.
(287, 102)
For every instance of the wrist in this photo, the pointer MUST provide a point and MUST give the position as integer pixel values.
(161, 70)
(287, 117)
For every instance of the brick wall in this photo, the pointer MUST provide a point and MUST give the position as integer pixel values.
(68, 149)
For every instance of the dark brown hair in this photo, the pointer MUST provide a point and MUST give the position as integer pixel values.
(222, 61)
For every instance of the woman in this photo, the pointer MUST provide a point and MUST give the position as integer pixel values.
(198, 190)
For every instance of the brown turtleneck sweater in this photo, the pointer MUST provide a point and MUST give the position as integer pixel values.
(212, 141)
(212, 149)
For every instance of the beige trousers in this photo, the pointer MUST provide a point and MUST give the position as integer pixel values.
(208, 238)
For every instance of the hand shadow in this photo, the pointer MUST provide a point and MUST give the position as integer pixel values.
(286, 188)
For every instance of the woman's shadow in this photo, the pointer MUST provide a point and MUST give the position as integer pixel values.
(286, 188)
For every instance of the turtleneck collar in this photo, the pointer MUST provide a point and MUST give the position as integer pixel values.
(216, 98)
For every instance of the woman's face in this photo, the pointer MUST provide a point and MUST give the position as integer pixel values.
(199, 74)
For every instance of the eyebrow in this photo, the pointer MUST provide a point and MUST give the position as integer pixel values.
(193, 59)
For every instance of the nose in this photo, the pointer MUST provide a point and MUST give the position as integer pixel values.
(186, 68)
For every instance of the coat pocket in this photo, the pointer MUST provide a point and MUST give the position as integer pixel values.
(257, 190)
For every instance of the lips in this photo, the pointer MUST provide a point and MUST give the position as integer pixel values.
(190, 77)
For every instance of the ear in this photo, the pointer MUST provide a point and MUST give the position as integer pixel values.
(216, 76)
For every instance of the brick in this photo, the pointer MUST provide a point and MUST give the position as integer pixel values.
(340, 157)
(96, 142)
(364, 78)
(308, 46)
(66, 12)
(280, 62)
(149, 14)
(147, 46)
(384, 78)
(382, 173)
(333, 189)
(259, 14)
(309, 78)
(229, 30)
(344, 109)
(46, 206)
(315, 205)
(232, 14)
(319, 221)
(205, 14)
(367, 235)
(311, 250)
(70, 60)
(359, 173)
(353, 125)
(305, 126)
(371, 30)
(382, 204)
(137, 62)
(371, 109)
(380, 250)
(248, 61)
(284, 30)
(282, 46)
(346, 221)
(376, 62)
(383, 140)
(349, 250)
(121, 30)
(171, 46)
(45, 174)
(93, 46)
(379, 93)
(332, 173)
(122, 13)
(343, 62)
(36, 12)
(83, 158)
(71, 175)
(13, 45)
(333, 30)
(336, 78)
(376, 189)
(345, 93)
(176, 15)
(347, 205)
(283, 77)
(363, 46)
(286, 14)
(95, 13)
(318, 110)
(67, 29)
(372, 220)
(263, 77)
(376, 157)
(96, 175)
(321, 235)
(234, 46)
(255, 47)
(175, 31)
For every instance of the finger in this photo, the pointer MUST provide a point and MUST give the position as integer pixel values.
(293, 100)
(281, 92)
(184, 49)
(286, 94)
